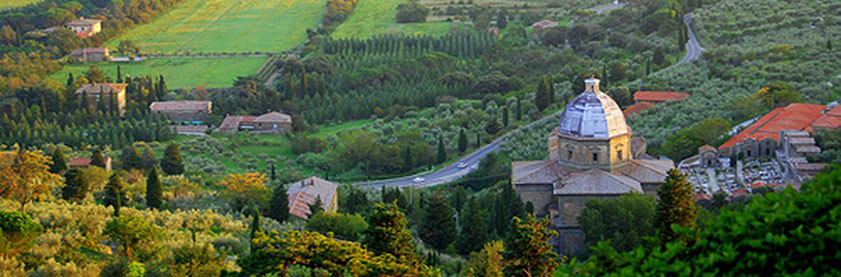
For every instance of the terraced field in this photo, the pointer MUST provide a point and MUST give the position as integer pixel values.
(373, 17)
(178, 73)
(212, 26)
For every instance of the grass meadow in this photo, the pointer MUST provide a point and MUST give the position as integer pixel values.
(213, 26)
(178, 73)
(8, 4)
(373, 17)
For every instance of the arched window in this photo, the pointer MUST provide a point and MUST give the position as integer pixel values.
(619, 154)
(596, 157)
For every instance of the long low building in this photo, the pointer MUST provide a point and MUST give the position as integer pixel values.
(182, 111)
(272, 122)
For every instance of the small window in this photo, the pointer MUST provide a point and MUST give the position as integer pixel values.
(569, 154)
(596, 157)
(619, 154)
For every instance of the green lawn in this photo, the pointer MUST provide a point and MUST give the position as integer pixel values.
(8, 4)
(325, 131)
(209, 26)
(179, 73)
(373, 17)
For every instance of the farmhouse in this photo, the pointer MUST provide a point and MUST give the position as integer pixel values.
(272, 122)
(85, 162)
(91, 54)
(85, 27)
(591, 155)
(182, 111)
(543, 25)
(103, 92)
(304, 193)
(657, 97)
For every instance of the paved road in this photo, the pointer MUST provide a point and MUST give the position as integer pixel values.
(451, 172)
(607, 8)
(693, 48)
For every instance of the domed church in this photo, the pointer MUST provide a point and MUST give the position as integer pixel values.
(592, 154)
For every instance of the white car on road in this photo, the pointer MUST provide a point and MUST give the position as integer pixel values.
(462, 165)
(418, 179)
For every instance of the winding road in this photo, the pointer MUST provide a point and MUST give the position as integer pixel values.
(452, 172)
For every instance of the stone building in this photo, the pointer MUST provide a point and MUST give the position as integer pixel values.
(272, 122)
(91, 54)
(103, 92)
(592, 155)
(305, 192)
(182, 111)
(543, 25)
(85, 27)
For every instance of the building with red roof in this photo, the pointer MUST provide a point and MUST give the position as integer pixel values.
(85, 162)
(637, 108)
(543, 25)
(656, 97)
(306, 192)
(761, 138)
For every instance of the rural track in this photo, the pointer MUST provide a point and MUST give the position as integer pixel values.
(693, 48)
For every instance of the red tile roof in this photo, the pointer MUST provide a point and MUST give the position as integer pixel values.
(702, 196)
(84, 161)
(795, 116)
(637, 108)
(739, 192)
(181, 106)
(831, 119)
(659, 96)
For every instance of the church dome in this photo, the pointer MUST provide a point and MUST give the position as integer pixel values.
(593, 114)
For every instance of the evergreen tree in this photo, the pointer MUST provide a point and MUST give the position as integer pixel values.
(255, 223)
(114, 194)
(84, 104)
(171, 163)
(70, 80)
(519, 109)
(272, 175)
(355, 202)
(505, 116)
(76, 185)
(527, 251)
(541, 98)
(131, 158)
(59, 161)
(675, 206)
(100, 103)
(462, 141)
(279, 205)
(154, 192)
(551, 89)
(507, 205)
(97, 159)
(828, 45)
(119, 75)
(387, 233)
(438, 228)
(647, 67)
(493, 126)
(478, 140)
(112, 104)
(501, 20)
(161, 88)
(659, 57)
(316, 207)
(474, 228)
(149, 159)
(604, 77)
(442, 152)
(408, 162)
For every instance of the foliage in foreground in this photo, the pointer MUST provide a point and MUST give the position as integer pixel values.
(787, 233)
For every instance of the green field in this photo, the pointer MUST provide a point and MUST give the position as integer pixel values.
(373, 17)
(210, 26)
(178, 73)
(8, 4)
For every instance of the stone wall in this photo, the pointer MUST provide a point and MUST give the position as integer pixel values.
(539, 195)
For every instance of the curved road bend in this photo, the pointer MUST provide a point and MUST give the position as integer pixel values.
(452, 172)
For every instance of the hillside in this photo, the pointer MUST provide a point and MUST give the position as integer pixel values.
(8, 4)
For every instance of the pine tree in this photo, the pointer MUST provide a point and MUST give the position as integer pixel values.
(272, 175)
(551, 89)
(647, 67)
(438, 228)
(462, 141)
(316, 207)
(171, 163)
(255, 223)
(478, 140)
(154, 192)
(112, 104)
(149, 159)
(527, 251)
(541, 98)
(442, 152)
(76, 185)
(474, 228)
(97, 159)
(387, 233)
(83, 104)
(119, 75)
(131, 158)
(505, 116)
(70, 80)
(100, 104)
(59, 161)
(675, 206)
(279, 205)
(114, 194)
(162, 90)
(506, 206)
(408, 163)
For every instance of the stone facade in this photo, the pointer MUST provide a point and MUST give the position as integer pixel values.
(102, 92)
(181, 111)
(85, 27)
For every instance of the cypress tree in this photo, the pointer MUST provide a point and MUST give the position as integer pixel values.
(171, 163)
(119, 75)
(519, 109)
(154, 192)
(551, 90)
(541, 98)
(502, 20)
(273, 174)
(59, 161)
(76, 185)
(478, 140)
(161, 88)
(149, 159)
(70, 80)
(462, 141)
(97, 159)
(387, 233)
(304, 85)
(114, 194)
(112, 104)
(438, 228)
(648, 67)
(316, 206)
(408, 163)
(604, 77)
(505, 116)
(131, 158)
(442, 152)
(474, 228)
(279, 205)
(675, 206)
(255, 222)
(100, 104)
(83, 104)
(828, 46)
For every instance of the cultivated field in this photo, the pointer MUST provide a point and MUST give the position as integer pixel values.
(373, 17)
(8, 4)
(212, 26)
(178, 73)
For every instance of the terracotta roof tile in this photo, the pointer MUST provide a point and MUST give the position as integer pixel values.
(596, 181)
(305, 192)
(659, 96)
(795, 116)
(180, 105)
(637, 108)
(273, 117)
